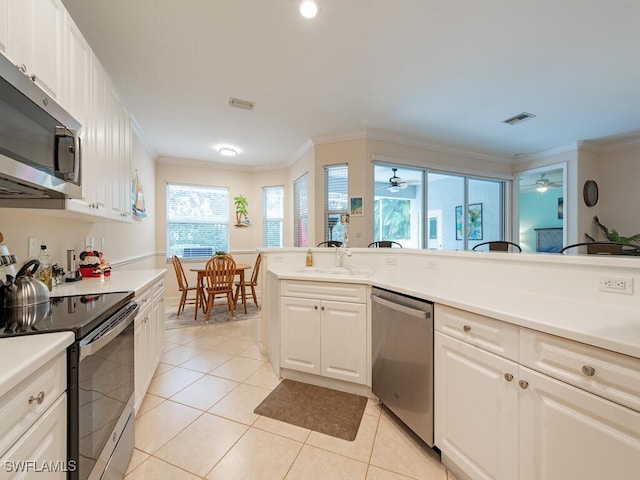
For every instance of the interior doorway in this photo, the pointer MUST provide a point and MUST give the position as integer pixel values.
(541, 208)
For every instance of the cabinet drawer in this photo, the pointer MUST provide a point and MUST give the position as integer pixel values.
(344, 292)
(19, 408)
(487, 333)
(145, 296)
(608, 374)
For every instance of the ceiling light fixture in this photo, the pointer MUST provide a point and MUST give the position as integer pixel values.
(542, 188)
(521, 117)
(227, 152)
(308, 9)
(394, 189)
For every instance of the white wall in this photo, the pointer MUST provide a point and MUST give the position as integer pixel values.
(619, 188)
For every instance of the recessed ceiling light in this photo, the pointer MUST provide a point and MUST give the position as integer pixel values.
(227, 152)
(308, 9)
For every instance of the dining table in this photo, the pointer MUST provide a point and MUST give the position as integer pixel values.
(201, 270)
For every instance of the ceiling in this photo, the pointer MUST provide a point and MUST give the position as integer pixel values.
(431, 72)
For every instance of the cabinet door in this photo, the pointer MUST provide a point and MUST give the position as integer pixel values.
(44, 445)
(42, 36)
(344, 341)
(566, 432)
(141, 358)
(77, 74)
(476, 409)
(300, 332)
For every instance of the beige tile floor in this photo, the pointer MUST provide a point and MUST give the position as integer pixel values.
(197, 421)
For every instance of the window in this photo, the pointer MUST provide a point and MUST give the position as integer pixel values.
(336, 187)
(400, 206)
(273, 201)
(197, 220)
(300, 212)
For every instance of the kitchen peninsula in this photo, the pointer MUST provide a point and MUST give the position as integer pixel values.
(536, 368)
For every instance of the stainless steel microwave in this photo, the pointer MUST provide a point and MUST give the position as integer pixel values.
(40, 150)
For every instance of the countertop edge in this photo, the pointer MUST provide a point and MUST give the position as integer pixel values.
(23, 355)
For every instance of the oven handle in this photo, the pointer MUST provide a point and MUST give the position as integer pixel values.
(93, 346)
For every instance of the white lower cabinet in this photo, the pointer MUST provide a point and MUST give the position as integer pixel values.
(476, 409)
(42, 451)
(322, 336)
(496, 418)
(33, 431)
(148, 338)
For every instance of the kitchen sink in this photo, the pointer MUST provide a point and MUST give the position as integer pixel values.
(337, 271)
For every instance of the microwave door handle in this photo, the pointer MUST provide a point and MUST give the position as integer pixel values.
(63, 132)
(92, 347)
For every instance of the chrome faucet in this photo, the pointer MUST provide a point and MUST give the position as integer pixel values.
(341, 251)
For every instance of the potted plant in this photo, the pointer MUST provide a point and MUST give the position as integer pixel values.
(242, 215)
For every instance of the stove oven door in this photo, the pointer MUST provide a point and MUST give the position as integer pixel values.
(104, 407)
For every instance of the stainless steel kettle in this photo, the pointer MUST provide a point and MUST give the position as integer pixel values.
(25, 290)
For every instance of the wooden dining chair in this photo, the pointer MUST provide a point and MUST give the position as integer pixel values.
(219, 276)
(252, 283)
(184, 287)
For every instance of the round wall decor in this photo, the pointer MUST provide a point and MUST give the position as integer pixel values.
(590, 193)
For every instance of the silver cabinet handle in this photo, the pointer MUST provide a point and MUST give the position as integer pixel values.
(508, 377)
(466, 328)
(39, 399)
(22, 68)
(588, 371)
(33, 77)
(523, 384)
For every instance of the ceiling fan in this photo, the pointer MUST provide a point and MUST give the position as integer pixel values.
(396, 183)
(543, 184)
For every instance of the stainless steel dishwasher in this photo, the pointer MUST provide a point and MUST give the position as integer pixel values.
(402, 351)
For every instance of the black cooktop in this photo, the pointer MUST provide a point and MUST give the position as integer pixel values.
(79, 314)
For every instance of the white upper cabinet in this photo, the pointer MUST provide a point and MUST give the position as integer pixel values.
(32, 37)
(77, 92)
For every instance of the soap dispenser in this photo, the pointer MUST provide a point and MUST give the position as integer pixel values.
(309, 258)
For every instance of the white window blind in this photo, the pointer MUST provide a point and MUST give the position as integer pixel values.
(273, 201)
(336, 187)
(300, 212)
(197, 220)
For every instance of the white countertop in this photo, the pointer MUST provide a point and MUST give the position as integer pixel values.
(118, 281)
(606, 326)
(21, 356)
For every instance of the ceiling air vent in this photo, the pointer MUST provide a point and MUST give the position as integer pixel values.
(521, 117)
(236, 102)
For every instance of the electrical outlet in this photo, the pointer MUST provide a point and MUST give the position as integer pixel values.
(616, 284)
(33, 247)
(278, 258)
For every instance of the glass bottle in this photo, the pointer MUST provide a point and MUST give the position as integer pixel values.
(44, 272)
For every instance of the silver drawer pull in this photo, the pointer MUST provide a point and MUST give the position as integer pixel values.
(466, 328)
(508, 377)
(523, 384)
(39, 398)
(588, 371)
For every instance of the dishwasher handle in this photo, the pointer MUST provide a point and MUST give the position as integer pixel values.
(401, 308)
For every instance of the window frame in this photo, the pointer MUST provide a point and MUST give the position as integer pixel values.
(301, 211)
(267, 220)
(329, 212)
(200, 252)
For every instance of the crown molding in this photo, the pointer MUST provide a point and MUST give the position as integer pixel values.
(603, 146)
(302, 151)
(547, 153)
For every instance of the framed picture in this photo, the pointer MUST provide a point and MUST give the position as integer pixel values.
(356, 206)
(560, 208)
(474, 222)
